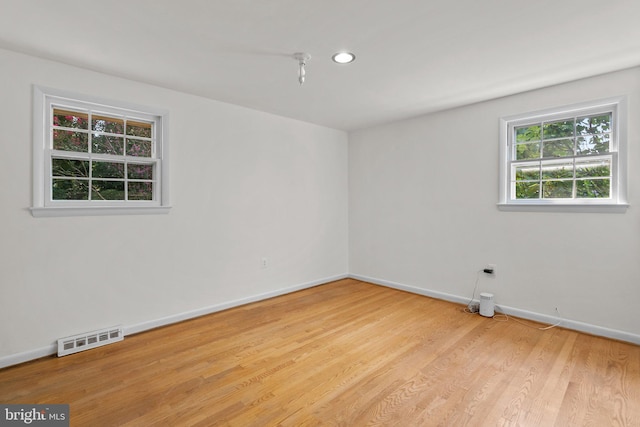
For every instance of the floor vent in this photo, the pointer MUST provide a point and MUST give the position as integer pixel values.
(86, 341)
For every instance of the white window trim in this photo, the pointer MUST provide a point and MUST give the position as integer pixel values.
(618, 201)
(42, 98)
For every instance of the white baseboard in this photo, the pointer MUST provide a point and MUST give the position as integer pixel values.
(15, 359)
(575, 325)
(152, 324)
(412, 289)
(37, 353)
(25, 356)
(512, 311)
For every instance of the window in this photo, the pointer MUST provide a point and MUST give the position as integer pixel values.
(571, 158)
(95, 157)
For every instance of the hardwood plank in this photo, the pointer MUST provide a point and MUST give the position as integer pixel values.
(345, 353)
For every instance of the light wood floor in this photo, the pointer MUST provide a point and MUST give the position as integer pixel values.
(343, 354)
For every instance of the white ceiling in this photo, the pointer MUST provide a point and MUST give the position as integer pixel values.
(413, 56)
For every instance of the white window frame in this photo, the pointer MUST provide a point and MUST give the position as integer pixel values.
(617, 203)
(43, 204)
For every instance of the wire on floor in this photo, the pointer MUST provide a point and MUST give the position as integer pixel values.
(506, 317)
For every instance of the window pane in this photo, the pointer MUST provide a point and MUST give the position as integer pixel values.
(140, 191)
(566, 155)
(70, 119)
(558, 148)
(92, 153)
(66, 167)
(70, 141)
(594, 144)
(593, 188)
(70, 189)
(107, 190)
(557, 189)
(590, 125)
(554, 170)
(593, 168)
(528, 133)
(528, 173)
(107, 124)
(104, 144)
(138, 147)
(527, 190)
(528, 151)
(559, 129)
(138, 171)
(141, 129)
(107, 170)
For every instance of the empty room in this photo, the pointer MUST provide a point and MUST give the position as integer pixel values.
(349, 213)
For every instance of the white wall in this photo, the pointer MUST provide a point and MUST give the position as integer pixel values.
(244, 184)
(423, 216)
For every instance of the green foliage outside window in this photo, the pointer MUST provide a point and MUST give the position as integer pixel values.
(551, 159)
(95, 179)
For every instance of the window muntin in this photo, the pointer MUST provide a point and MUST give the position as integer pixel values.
(111, 160)
(97, 157)
(568, 158)
(564, 157)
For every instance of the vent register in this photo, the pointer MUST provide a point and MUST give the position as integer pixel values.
(89, 340)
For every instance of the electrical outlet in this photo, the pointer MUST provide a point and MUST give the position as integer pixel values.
(265, 262)
(490, 269)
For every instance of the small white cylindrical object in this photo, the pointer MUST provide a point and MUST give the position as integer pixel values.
(486, 304)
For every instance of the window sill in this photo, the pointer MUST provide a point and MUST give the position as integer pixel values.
(563, 207)
(97, 211)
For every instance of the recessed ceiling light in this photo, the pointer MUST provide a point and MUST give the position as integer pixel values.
(343, 57)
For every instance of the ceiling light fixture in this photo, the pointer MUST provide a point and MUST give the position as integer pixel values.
(343, 57)
(302, 59)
